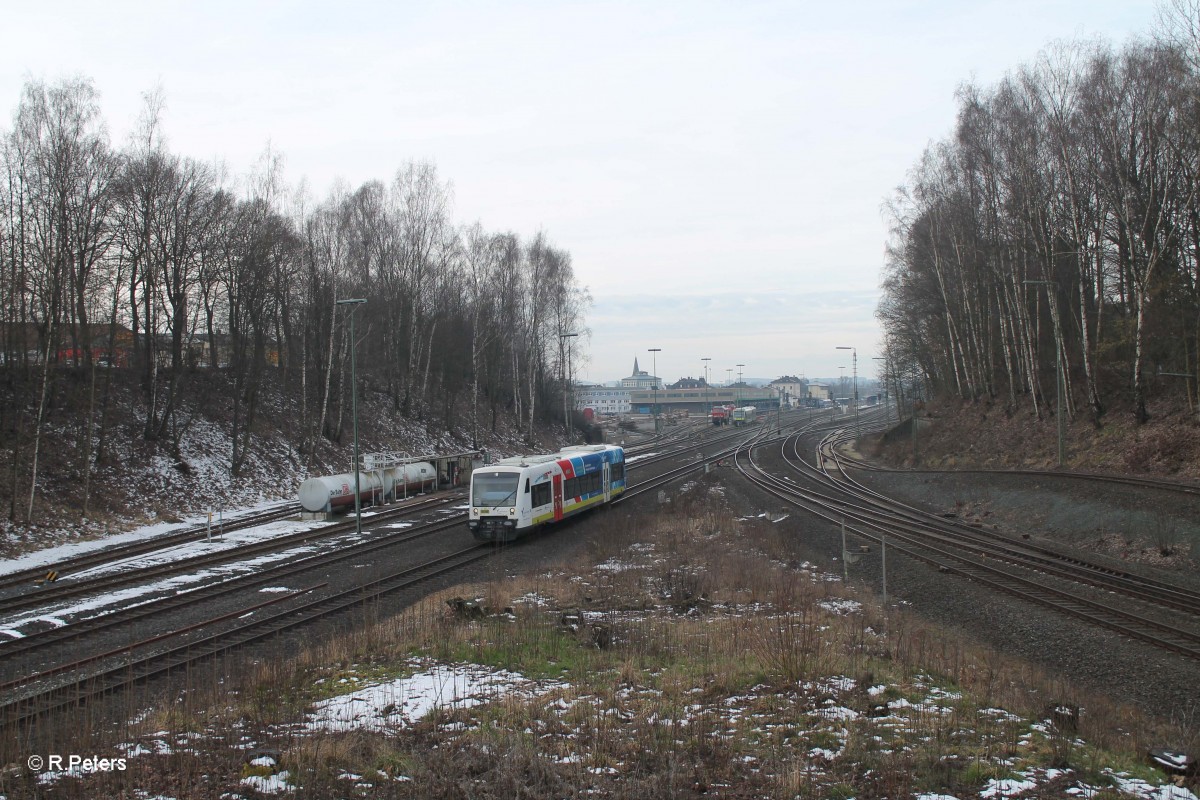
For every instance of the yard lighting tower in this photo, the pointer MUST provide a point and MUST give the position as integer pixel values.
(654, 351)
(354, 411)
(739, 390)
(854, 364)
(567, 377)
(707, 408)
(1058, 389)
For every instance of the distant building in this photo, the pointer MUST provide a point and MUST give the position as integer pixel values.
(640, 379)
(689, 383)
(602, 399)
(791, 390)
(819, 391)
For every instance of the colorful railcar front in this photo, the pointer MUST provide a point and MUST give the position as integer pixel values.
(515, 495)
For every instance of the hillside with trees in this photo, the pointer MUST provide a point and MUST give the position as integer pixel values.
(144, 294)
(1059, 223)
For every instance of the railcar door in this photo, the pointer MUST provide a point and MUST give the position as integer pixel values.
(607, 481)
(558, 500)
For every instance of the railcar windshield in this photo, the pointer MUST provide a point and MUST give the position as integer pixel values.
(494, 488)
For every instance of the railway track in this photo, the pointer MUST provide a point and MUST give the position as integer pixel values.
(34, 694)
(23, 578)
(40, 642)
(49, 594)
(29, 588)
(1053, 561)
(43, 594)
(21, 712)
(1149, 610)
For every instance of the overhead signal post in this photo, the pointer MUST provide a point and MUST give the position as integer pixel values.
(707, 407)
(354, 410)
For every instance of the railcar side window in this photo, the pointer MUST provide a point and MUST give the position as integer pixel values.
(583, 485)
(540, 495)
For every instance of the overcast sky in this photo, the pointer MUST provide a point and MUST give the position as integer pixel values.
(717, 170)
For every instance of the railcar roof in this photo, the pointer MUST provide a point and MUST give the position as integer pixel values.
(570, 451)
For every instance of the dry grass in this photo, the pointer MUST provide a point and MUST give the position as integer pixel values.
(990, 435)
(692, 655)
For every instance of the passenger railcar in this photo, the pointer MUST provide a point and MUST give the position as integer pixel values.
(516, 495)
(746, 415)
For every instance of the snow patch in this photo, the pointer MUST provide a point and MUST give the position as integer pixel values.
(401, 702)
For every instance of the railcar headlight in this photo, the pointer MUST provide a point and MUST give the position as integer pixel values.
(512, 511)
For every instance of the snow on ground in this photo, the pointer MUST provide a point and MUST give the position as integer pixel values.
(50, 556)
(388, 707)
(187, 581)
(380, 707)
(269, 784)
(841, 606)
(820, 730)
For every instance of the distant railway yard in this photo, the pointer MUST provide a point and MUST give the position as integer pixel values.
(132, 617)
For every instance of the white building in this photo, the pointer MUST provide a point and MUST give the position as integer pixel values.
(640, 379)
(616, 399)
(819, 391)
(790, 389)
(602, 399)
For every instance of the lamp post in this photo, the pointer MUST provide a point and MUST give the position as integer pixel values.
(707, 408)
(354, 411)
(562, 337)
(739, 388)
(654, 351)
(1058, 390)
(854, 363)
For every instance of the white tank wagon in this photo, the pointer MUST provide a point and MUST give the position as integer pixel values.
(335, 493)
